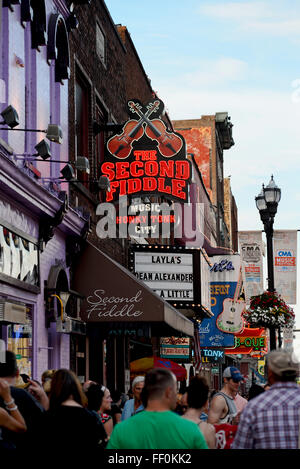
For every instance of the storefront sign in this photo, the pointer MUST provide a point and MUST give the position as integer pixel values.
(172, 273)
(212, 355)
(224, 264)
(102, 305)
(254, 342)
(146, 219)
(250, 341)
(169, 275)
(218, 331)
(146, 157)
(175, 348)
(261, 367)
(285, 264)
(112, 294)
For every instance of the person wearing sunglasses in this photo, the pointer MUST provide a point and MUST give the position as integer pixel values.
(222, 407)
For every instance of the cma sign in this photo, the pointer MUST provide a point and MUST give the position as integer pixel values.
(285, 254)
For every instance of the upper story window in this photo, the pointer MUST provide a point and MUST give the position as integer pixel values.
(58, 47)
(101, 118)
(38, 24)
(10, 3)
(100, 43)
(82, 99)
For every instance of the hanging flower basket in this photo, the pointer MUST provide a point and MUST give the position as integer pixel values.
(269, 310)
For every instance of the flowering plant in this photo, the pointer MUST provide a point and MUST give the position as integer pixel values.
(269, 309)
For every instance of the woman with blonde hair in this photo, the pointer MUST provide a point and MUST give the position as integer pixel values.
(135, 405)
(46, 380)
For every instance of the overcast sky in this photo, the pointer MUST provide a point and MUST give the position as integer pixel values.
(242, 57)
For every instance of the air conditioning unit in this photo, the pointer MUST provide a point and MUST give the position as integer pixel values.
(71, 326)
(12, 313)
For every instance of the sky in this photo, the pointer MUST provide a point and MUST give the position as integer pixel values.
(243, 57)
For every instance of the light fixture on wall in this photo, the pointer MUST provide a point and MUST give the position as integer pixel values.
(43, 150)
(68, 172)
(11, 119)
(54, 133)
(68, 175)
(103, 183)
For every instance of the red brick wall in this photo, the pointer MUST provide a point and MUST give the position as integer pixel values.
(122, 77)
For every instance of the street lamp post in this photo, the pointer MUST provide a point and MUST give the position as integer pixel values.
(267, 203)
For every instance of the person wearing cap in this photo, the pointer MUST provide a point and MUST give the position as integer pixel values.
(222, 407)
(271, 419)
(133, 406)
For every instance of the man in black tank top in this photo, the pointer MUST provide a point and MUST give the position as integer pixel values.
(222, 407)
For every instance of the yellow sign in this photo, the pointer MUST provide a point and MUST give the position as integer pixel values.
(261, 367)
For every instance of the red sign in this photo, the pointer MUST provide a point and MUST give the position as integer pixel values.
(146, 158)
(251, 340)
(285, 261)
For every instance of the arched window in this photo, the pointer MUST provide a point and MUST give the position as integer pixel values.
(10, 3)
(58, 47)
(38, 24)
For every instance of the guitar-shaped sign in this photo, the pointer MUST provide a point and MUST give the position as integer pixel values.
(231, 320)
(121, 145)
(168, 142)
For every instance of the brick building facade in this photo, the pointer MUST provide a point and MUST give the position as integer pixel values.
(106, 72)
(230, 214)
(206, 139)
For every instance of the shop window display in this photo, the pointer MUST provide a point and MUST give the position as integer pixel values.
(19, 341)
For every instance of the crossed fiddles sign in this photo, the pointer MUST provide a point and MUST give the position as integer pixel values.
(169, 143)
(146, 157)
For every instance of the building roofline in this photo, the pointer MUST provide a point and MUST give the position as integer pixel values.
(125, 29)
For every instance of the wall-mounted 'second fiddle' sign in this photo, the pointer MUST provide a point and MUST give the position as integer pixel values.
(146, 157)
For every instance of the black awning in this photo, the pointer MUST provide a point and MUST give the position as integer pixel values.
(113, 294)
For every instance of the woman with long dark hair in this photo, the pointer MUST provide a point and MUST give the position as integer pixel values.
(99, 401)
(197, 398)
(68, 424)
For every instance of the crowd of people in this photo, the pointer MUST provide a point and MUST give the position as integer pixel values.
(62, 413)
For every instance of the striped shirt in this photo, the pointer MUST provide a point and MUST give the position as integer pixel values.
(271, 420)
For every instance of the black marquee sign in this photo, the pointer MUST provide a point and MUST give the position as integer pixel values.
(146, 158)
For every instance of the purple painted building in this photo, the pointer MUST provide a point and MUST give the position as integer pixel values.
(36, 222)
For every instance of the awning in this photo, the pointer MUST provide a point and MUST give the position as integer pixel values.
(113, 294)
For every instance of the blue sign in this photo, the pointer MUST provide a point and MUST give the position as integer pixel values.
(224, 264)
(212, 355)
(209, 334)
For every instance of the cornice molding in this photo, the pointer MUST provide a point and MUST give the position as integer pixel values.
(19, 186)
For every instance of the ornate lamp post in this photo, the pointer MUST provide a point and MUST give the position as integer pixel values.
(267, 203)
